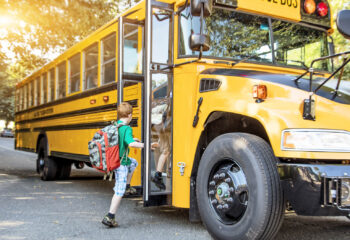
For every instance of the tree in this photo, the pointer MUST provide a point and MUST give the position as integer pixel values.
(33, 32)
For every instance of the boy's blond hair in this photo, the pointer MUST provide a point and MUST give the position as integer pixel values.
(124, 109)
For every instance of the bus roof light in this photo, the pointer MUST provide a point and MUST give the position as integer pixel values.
(322, 9)
(309, 6)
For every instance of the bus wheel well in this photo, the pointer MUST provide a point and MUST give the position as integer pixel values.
(41, 136)
(219, 123)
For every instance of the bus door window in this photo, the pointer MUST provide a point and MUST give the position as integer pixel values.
(74, 73)
(61, 81)
(132, 52)
(161, 126)
(90, 79)
(108, 49)
(160, 36)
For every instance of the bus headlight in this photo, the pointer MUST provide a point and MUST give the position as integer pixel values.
(315, 140)
(345, 192)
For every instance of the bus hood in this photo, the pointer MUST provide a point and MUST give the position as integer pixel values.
(326, 91)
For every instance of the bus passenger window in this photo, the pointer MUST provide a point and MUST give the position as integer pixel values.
(37, 92)
(90, 67)
(31, 101)
(132, 49)
(108, 49)
(25, 97)
(61, 81)
(17, 100)
(74, 73)
(44, 88)
(51, 82)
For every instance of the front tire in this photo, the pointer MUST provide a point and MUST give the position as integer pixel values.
(239, 193)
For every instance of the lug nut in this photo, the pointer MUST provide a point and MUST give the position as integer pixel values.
(212, 183)
(225, 206)
(214, 201)
(231, 189)
(222, 175)
(229, 200)
(219, 207)
(228, 180)
(216, 177)
(211, 192)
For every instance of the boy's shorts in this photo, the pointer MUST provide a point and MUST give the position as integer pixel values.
(121, 175)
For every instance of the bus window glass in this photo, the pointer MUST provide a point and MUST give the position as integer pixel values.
(32, 93)
(44, 88)
(61, 80)
(90, 66)
(132, 49)
(232, 35)
(51, 82)
(108, 46)
(74, 73)
(25, 96)
(160, 36)
(161, 119)
(37, 92)
(17, 100)
(298, 45)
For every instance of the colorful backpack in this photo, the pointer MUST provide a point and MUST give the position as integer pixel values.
(104, 149)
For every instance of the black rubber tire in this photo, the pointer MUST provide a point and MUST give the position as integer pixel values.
(64, 168)
(49, 170)
(265, 209)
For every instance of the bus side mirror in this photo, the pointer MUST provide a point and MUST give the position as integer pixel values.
(199, 40)
(343, 23)
(196, 7)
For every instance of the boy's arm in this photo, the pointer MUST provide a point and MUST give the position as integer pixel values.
(129, 140)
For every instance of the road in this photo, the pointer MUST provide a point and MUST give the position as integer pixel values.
(73, 209)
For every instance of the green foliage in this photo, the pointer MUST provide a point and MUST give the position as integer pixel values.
(40, 30)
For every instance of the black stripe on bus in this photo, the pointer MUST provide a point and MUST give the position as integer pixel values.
(94, 125)
(106, 88)
(72, 156)
(25, 149)
(99, 109)
(23, 130)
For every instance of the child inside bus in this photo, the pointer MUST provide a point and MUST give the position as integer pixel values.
(124, 173)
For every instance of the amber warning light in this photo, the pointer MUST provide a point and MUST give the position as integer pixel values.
(309, 6)
(259, 92)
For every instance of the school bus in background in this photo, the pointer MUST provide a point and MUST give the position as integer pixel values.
(257, 119)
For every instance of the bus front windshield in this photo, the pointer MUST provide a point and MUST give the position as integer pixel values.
(239, 36)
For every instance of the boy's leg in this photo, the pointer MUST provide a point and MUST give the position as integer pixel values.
(119, 189)
(131, 169)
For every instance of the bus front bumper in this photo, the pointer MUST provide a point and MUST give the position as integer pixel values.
(317, 190)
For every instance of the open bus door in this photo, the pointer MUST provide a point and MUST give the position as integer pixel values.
(157, 188)
(131, 78)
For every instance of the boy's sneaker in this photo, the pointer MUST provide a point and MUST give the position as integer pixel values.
(130, 191)
(158, 181)
(110, 222)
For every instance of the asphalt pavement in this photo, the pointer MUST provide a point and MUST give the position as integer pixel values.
(73, 209)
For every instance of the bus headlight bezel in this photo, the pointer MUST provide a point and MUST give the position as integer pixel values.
(315, 140)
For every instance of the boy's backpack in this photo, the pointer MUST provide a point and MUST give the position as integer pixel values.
(104, 149)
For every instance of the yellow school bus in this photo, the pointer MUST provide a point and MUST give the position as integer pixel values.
(238, 95)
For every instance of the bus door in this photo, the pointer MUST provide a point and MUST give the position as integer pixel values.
(130, 80)
(158, 165)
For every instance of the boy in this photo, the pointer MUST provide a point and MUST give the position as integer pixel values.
(124, 173)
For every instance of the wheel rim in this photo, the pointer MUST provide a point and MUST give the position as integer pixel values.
(228, 191)
(41, 162)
